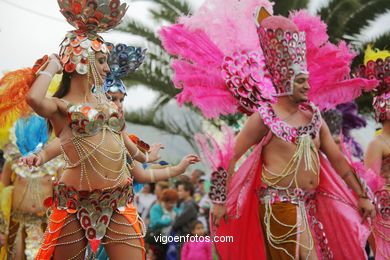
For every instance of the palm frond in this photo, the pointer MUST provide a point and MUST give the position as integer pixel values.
(159, 119)
(361, 17)
(283, 7)
(336, 14)
(139, 29)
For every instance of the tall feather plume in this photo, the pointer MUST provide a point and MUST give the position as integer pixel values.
(13, 90)
(31, 134)
(219, 153)
(329, 65)
(228, 23)
(201, 42)
(198, 70)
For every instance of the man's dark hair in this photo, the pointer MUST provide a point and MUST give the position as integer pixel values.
(187, 187)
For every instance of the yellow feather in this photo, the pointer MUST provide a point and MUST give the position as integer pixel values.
(374, 54)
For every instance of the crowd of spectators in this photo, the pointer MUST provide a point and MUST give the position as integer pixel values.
(179, 208)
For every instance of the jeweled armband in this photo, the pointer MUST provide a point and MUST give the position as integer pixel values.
(218, 194)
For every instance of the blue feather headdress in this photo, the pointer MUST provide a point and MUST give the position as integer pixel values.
(31, 134)
(123, 60)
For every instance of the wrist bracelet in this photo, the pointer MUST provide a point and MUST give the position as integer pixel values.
(46, 73)
(152, 177)
(136, 153)
(218, 194)
(38, 155)
(168, 171)
(58, 64)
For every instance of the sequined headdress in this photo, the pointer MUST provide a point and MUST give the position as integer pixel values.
(377, 66)
(123, 60)
(89, 17)
(284, 48)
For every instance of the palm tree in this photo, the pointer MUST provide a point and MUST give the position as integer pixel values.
(345, 19)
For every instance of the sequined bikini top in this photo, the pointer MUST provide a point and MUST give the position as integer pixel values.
(289, 133)
(88, 120)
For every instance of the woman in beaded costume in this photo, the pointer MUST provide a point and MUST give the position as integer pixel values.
(286, 201)
(23, 215)
(377, 157)
(90, 201)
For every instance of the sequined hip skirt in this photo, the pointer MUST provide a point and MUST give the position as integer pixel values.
(293, 195)
(92, 212)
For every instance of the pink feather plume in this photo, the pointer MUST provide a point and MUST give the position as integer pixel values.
(328, 65)
(198, 71)
(218, 154)
(216, 30)
(228, 23)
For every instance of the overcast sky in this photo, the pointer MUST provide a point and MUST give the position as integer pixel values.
(31, 28)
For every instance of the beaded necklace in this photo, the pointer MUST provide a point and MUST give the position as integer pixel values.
(301, 136)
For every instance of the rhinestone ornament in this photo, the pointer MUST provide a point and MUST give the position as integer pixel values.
(245, 79)
(285, 57)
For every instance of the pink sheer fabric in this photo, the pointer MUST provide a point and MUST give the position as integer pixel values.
(336, 208)
(242, 210)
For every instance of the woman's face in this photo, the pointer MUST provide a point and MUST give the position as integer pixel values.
(168, 205)
(117, 98)
(101, 64)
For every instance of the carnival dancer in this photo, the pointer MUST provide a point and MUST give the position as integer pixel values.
(377, 157)
(89, 203)
(23, 215)
(123, 60)
(285, 201)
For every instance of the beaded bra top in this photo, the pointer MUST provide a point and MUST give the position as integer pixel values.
(87, 120)
(286, 132)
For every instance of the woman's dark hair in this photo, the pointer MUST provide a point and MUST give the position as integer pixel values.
(196, 222)
(61, 92)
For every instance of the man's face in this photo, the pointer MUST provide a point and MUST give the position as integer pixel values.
(183, 194)
(301, 88)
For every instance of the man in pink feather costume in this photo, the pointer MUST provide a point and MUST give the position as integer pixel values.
(291, 198)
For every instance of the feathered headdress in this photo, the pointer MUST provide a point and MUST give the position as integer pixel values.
(220, 65)
(89, 17)
(221, 39)
(123, 60)
(284, 48)
(327, 64)
(377, 67)
(31, 134)
(13, 90)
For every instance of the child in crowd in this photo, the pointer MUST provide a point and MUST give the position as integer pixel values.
(198, 247)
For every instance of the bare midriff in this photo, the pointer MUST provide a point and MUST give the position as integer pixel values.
(104, 167)
(29, 194)
(385, 170)
(277, 154)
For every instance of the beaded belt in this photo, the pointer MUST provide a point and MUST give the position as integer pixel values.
(292, 195)
(382, 198)
(93, 208)
(28, 218)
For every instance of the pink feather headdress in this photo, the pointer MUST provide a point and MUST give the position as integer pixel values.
(220, 65)
(222, 69)
(328, 65)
